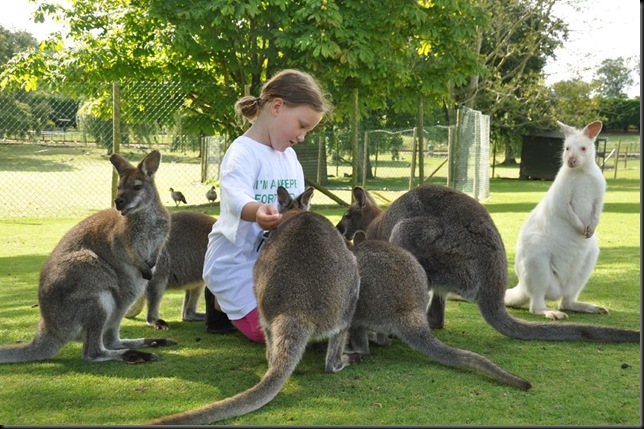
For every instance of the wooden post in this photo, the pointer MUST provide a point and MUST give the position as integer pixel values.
(116, 132)
(619, 143)
(412, 173)
(626, 155)
(365, 159)
(320, 155)
(421, 140)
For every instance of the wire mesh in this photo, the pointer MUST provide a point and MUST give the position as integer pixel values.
(54, 150)
(54, 147)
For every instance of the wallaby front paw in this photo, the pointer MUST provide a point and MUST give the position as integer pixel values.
(146, 273)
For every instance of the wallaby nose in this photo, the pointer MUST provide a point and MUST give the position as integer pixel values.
(118, 202)
(572, 162)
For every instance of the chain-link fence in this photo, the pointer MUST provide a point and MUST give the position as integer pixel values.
(469, 154)
(54, 150)
(54, 147)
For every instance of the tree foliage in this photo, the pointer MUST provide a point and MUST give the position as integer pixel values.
(575, 103)
(222, 49)
(13, 42)
(513, 50)
(613, 77)
(620, 113)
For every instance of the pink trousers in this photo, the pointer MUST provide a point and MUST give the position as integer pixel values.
(250, 327)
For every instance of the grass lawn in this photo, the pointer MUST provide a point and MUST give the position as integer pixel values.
(574, 383)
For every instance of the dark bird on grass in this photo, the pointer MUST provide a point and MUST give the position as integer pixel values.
(177, 197)
(211, 195)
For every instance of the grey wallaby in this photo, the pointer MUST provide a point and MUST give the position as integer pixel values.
(307, 284)
(97, 270)
(455, 240)
(393, 300)
(180, 266)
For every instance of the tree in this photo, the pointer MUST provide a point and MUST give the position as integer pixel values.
(575, 103)
(18, 111)
(620, 113)
(513, 50)
(612, 77)
(378, 55)
(365, 53)
(13, 42)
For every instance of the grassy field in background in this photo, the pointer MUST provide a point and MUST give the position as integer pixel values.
(68, 181)
(574, 383)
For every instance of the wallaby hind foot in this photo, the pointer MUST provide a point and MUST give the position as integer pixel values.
(97, 270)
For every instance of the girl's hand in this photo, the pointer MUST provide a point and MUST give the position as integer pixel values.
(268, 217)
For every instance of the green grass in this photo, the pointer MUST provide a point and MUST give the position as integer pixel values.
(574, 383)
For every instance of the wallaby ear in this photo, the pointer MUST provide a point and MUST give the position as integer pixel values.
(359, 237)
(120, 164)
(150, 164)
(304, 199)
(592, 130)
(567, 130)
(359, 196)
(283, 197)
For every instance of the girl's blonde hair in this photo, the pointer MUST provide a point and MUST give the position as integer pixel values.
(293, 86)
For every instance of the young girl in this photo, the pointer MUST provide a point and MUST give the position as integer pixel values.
(290, 105)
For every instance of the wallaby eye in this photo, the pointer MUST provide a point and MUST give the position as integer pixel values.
(567, 147)
(138, 187)
(583, 148)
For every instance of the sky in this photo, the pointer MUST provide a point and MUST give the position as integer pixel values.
(599, 30)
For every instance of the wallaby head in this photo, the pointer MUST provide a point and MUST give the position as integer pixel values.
(579, 145)
(135, 183)
(362, 212)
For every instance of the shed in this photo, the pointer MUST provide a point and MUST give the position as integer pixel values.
(541, 155)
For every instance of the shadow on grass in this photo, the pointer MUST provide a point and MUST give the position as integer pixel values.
(36, 165)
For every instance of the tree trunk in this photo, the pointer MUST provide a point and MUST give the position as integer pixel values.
(355, 141)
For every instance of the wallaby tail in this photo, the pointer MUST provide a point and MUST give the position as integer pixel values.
(43, 346)
(496, 314)
(426, 342)
(280, 368)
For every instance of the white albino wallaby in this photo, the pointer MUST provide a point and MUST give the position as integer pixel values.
(557, 247)
(455, 240)
(180, 266)
(97, 270)
(393, 300)
(307, 284)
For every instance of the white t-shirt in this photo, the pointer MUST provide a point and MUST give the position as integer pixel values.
(250, 171)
